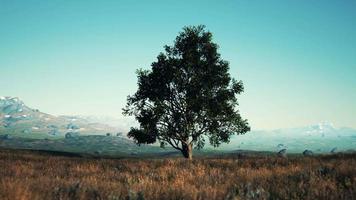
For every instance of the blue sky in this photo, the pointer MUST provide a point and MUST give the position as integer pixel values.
(297, 59)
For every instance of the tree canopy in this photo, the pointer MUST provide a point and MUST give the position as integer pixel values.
(187, 97)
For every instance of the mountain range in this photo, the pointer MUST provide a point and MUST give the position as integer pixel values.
(19, 120)
(319, 138)
(25, 127)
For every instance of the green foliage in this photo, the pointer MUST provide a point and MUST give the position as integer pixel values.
(187, 94)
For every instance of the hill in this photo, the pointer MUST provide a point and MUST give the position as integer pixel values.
(320, 138)
(27, 128)
(19, 120)
(22, 127)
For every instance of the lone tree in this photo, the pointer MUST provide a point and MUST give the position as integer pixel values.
(187, 97)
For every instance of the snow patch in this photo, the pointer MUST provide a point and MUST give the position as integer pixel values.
(15, 99)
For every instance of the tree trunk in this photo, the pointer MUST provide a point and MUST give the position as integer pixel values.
(187, 151)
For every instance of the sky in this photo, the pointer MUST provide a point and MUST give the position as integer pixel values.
(297, 59)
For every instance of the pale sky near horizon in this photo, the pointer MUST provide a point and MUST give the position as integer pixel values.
(297, 59)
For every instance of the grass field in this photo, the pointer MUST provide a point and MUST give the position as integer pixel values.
(33, 175)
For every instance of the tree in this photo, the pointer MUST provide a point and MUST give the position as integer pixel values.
(187, 97)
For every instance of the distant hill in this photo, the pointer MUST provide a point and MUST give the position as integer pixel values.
(19, 120)
(320, 138)
(95, 145)
(22, 127)
(25, 127)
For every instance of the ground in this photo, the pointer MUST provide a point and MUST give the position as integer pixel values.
(47, 175)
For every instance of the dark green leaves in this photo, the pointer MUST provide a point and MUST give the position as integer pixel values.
(141, 136)
(187, 96)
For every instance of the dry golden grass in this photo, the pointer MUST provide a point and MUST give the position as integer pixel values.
(25, 175)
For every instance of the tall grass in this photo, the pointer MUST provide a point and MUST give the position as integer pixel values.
(25, 175)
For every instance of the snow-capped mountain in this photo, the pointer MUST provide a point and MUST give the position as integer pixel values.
(320, 138)
(12, 105)
(26, 128)
(22, 121)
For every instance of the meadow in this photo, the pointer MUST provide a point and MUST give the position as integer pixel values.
(34, 175)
